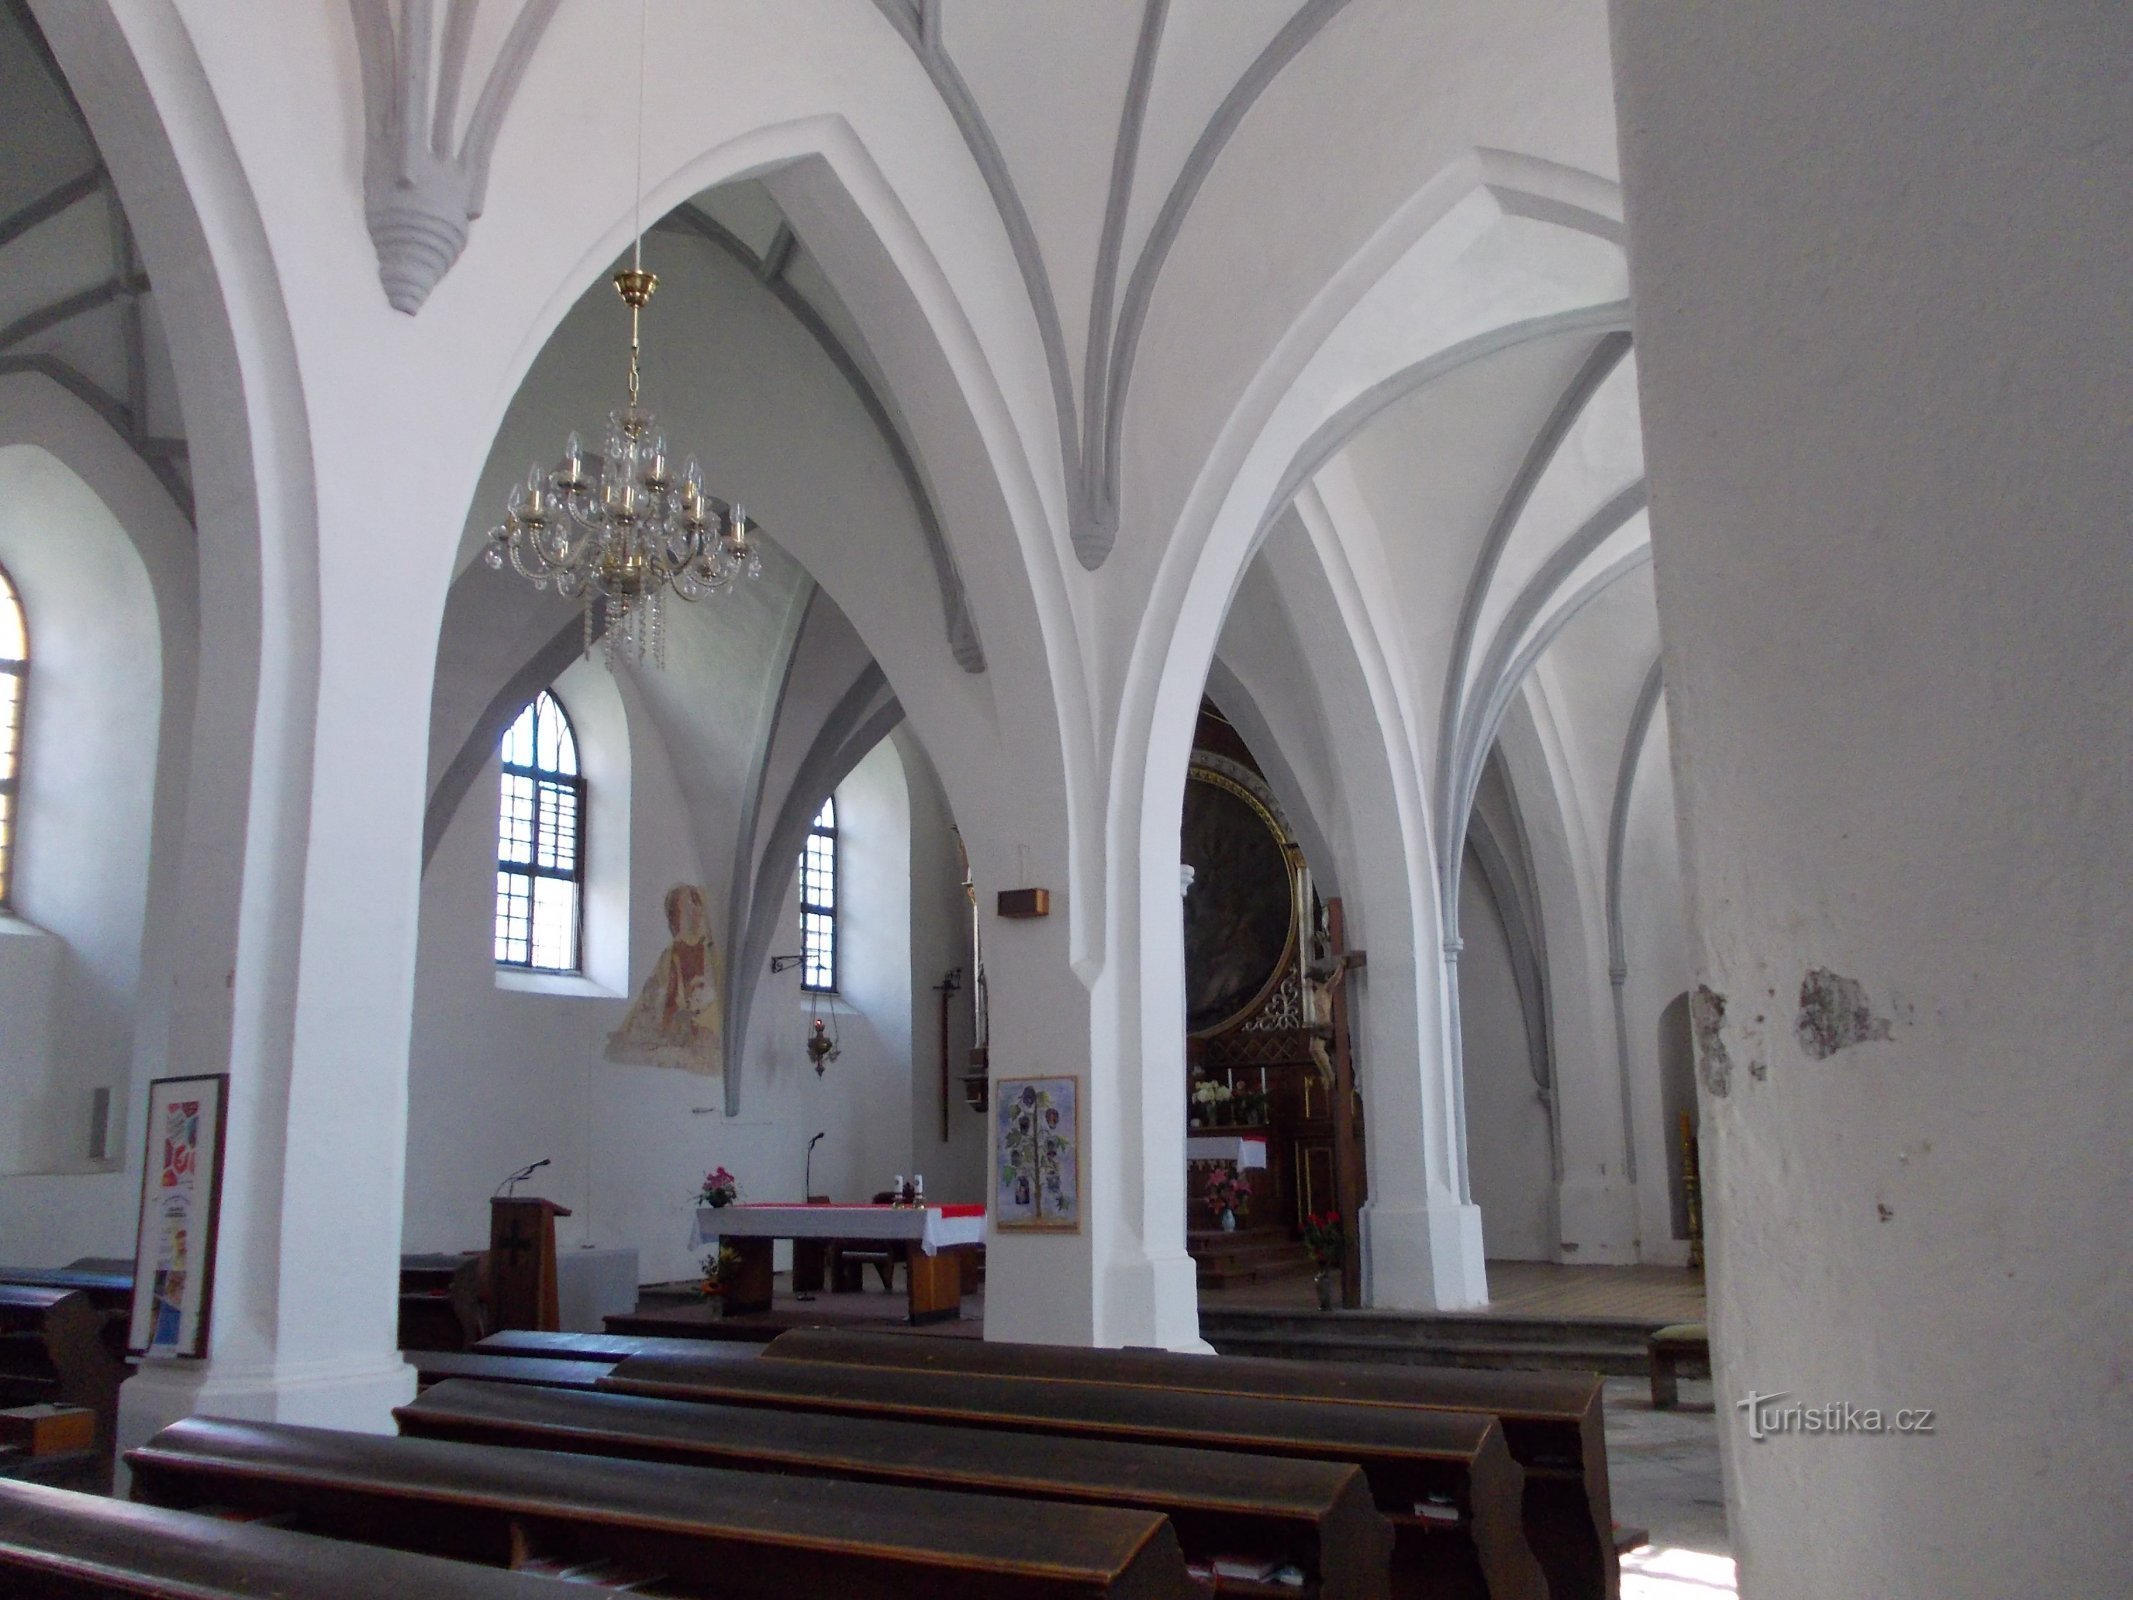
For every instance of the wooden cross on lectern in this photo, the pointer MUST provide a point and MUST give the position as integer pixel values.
(522, 1276)
(517, 1243)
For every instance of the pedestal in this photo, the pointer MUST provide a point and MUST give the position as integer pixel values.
(522, 1272)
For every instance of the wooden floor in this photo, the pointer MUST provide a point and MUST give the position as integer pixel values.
(1537, 1289)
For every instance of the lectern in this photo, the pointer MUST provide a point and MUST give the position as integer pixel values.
(522, 1262)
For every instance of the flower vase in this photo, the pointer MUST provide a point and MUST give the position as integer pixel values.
(1229, 1220)
(1324, 1281)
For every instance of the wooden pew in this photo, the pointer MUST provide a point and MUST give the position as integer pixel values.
(107, 1283)
(692, 1530)
(434, 1366)
(1259, 1513)
(440, 1301)
(52, 1348)
(56, 1544)
(1444, 1480)
(108, 1290)
(1553, 1422)
(607, 1347)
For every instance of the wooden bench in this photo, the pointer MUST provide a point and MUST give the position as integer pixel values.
(1444, 1480)
(1233, 1513)
(52, 1348)
(691, 1530)
(434, 1366)
(440, 1301)
(607, 1347)
(1668, 1348)
(1553, 1422)
(107, 1283)
(59, 1545)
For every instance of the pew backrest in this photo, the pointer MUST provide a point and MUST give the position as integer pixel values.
(703, 1530)
(1444, 1479)
(58, 1543)
(1313, 1515)
(607, 1347)
(434, 1366)
(1553, 1422)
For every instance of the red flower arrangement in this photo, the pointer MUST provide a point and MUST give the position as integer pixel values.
(1325, 1239)
(721, 1188)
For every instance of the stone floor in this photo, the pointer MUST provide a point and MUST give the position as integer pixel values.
(1663, 1477)
(1526, 1289)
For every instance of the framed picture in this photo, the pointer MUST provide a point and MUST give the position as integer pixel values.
(1037, 1154)
(181, 1193)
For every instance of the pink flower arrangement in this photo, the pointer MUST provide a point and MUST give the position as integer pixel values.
(721, 1188)
(1227, 1190)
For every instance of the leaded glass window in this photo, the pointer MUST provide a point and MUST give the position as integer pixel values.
(818, 902)
(540, 843)
(14, 679)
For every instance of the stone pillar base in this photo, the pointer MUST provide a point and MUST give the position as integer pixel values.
(1153, 1301)
(1423, 1258)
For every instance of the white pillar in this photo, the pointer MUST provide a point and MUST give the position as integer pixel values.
(1880, 257)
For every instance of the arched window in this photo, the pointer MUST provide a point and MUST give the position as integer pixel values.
(14, 678)
(540, 843)
(818, 902)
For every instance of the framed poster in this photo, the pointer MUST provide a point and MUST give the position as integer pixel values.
(1037, 1154)
(181, 1192)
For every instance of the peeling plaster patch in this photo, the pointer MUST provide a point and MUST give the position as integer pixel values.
(1758, 1069)
(1834, 1014)
(1707, 1016)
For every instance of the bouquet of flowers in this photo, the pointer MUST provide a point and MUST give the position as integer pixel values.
(1227, 1190)
(1211, 1099)
(717, 1266)
(1324, 1239)
(721, 1188)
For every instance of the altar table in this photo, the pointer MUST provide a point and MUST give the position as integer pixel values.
(1241, 1150)
(931, 1270)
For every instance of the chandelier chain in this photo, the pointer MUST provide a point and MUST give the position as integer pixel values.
(619, 528)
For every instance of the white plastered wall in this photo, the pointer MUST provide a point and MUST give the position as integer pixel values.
(502, 1076)
(104, 564)
(1883, 327)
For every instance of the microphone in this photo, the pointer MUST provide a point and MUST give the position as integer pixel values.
(518, 1177)
(807, 1187)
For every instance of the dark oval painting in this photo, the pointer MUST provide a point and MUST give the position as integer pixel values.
(1240, 907)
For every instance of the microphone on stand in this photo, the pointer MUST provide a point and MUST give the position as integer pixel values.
(807, 1195)
(518, 1177)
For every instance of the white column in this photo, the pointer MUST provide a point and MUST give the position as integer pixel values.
(1880, 257)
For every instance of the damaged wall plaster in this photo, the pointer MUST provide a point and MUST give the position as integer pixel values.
(1707, 1016)
(1834, 1014)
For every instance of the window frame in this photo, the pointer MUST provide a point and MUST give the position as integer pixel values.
(11, 760)
(820, 915)
(532, 870)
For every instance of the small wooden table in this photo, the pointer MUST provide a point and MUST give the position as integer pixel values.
(936, 1293)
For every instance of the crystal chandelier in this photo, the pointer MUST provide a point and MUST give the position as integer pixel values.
(616, 531)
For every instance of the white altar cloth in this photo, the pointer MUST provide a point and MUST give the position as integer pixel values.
(932, 1228)
(1241, 1150)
